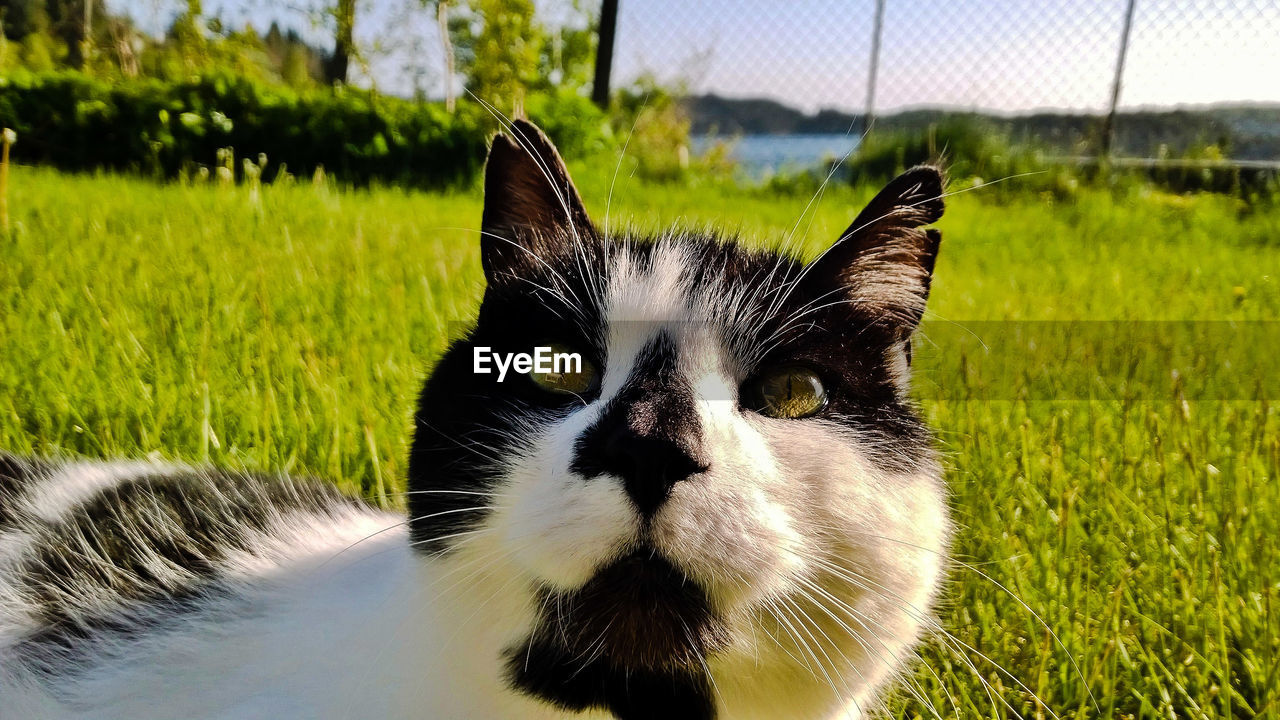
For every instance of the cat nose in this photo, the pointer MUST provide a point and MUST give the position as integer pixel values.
(648, 446)
(649, 464)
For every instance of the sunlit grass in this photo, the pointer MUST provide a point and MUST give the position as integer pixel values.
(291, 331)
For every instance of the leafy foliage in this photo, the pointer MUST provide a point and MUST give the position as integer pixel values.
(77, 123)
(501, 41)
(44, 35)
(657, 130)
(967, 146)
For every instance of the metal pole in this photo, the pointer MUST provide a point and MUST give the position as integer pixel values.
(1109, 124)
(869, 114)
(604, 52)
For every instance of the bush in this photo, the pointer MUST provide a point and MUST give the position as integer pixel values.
(577, 126)
(653, 124)
(77, 123)
(967, 146)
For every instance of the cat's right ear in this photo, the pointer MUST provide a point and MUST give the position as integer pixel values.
(532, 211)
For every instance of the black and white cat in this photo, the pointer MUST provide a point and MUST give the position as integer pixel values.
(728, 510)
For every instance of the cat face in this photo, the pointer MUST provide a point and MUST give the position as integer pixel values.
(730, 492)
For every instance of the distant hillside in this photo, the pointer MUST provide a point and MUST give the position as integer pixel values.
(1246, 132)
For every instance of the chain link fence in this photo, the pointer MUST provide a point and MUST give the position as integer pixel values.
(1003, 57)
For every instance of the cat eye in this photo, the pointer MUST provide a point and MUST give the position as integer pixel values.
(785, 392)
(565, 371)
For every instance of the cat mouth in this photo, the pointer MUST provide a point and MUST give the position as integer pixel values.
(639, 611)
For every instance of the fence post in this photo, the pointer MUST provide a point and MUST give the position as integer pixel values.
(1109, 124)
(604, 52)
(869, 114)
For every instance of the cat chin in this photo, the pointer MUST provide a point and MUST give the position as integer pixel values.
(639, 611)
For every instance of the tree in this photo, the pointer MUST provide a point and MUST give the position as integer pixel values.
(23, 18)
(450, 61)
(503, 40)
(72, 23)
(449, 25)
(344, 44)
(568, 54)
(185, 39)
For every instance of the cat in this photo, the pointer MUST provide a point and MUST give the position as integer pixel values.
(727, 509)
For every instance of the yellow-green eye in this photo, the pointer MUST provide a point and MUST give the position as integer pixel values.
(563, 370)
(786, 392)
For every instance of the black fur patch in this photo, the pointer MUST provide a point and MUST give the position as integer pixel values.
(16, 475)
(649, 434)
(467, 424)
(545, 671)
(633, 640)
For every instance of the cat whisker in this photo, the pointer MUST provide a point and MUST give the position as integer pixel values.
(1014, 596)
(592, 652)
(451, 492)
(702, 659)
(817, 195)
(774, 613)
(804, 616)
(449, 536)
(402, 523)
(759, 620)
(608, 202)
(509, 125)
(528, 251)
(861, 619)
(929, 622)
(896, 210)
(871, 586)
(490, 456)
(795, 613)
(796, 636)
(477, 563)
(501, 590)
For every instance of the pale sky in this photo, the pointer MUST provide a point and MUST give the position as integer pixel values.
(1009, 55)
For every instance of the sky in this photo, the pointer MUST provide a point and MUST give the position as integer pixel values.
(1004, 55)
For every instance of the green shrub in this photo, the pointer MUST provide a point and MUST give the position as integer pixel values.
(967, 146)
(77, 123)
(650, 120)
(578, 127)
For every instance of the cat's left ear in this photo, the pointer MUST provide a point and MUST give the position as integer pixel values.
(884, 261)
(532, 210)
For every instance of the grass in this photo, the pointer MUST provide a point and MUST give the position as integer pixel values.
(1134, 512)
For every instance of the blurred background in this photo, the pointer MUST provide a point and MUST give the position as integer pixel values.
(1185, 91)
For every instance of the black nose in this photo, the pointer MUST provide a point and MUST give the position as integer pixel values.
(650, 464)
(648, 436)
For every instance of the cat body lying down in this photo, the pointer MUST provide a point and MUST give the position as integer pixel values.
(728, 509)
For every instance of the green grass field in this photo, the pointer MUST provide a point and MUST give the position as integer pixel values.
(1133, 525)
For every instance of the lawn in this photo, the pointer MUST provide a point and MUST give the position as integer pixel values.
(1100, 370)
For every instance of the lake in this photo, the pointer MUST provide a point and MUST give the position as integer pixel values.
(762, 155)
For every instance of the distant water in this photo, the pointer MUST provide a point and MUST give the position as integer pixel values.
(761, 155)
